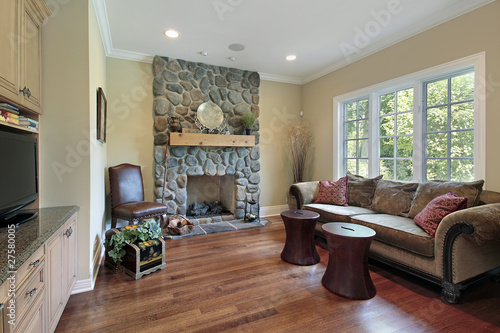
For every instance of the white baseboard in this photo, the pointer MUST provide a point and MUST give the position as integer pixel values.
(82, 286)
(272, 210)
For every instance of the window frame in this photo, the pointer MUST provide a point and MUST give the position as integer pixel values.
(415, 80)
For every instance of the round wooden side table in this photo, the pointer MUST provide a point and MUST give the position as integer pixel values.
(347, 272)
(299, 245)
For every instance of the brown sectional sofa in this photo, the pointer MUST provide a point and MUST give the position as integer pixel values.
(466, 246)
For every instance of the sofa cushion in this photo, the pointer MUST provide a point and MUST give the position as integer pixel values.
(398, 231)
(393, 197)
(333, 192)
(361, 190)
(332, 213)
(430, 217)
(433, 189)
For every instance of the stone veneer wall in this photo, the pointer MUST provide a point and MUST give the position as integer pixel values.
(179, 88)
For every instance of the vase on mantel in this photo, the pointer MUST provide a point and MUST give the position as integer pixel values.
(248, 131)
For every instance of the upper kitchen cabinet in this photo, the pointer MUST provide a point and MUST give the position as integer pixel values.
(20, 52)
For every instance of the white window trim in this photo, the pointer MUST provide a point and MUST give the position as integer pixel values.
(478, 61)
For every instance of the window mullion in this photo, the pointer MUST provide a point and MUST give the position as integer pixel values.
(373, 135)
(419, 98)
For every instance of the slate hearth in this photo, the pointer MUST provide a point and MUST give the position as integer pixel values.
(201, 229)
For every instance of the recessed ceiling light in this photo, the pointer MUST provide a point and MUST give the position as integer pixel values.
(236, 47)
(203, 53)
(232, 58)
(171, 33)
(291, 57)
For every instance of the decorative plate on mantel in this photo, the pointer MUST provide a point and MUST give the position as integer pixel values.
(211, 118)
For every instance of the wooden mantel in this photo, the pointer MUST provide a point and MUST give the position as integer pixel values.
(211, 140)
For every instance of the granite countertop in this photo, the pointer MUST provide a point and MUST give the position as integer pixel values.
(31, 235)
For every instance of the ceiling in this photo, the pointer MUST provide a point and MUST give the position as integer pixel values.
(324, 34)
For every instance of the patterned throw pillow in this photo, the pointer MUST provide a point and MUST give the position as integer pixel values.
(333, 193)
(430, 217)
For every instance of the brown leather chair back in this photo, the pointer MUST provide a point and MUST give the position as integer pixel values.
(125, 184)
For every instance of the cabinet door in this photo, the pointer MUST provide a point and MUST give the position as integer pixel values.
(69, 259)
(55, 280)
(31, 54)
(9, 52)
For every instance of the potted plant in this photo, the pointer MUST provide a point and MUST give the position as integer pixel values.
(248, 119)
(115, 246)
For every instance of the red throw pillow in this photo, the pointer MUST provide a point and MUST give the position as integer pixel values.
(333, 193)
(430, 217)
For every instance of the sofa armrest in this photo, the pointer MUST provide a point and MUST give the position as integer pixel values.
(464, 244)
(484, 221)
(301, 194)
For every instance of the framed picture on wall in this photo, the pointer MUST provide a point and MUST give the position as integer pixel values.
(102, 110)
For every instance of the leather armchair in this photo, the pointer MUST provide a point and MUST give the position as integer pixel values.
(127, 196)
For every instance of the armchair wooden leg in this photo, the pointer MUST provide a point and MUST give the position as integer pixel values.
(113, 222)
(163, 220)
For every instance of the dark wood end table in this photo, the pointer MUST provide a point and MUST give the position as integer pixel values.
(299, 245)
(347, 272)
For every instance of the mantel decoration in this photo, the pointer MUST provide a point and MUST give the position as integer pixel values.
(248, 119)
(102, 110)
(149, 230)
(299, 141)
(210, 117)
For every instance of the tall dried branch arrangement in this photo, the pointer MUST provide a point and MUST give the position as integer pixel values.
(299, 142)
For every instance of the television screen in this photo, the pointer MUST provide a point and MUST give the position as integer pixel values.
(18, 173)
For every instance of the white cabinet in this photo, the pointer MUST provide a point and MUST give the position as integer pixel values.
(21, 40)
(61, 268)
(28, 297)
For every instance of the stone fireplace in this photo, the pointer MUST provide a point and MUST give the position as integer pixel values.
(180, 87)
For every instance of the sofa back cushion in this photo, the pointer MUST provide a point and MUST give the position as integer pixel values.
(433, 189)
(361, 190)
(393, 197)
(430, 217)
(333, 192)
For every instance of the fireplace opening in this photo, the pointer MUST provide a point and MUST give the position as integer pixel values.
(210, 195)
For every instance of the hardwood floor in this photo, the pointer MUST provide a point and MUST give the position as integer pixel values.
(236, 281)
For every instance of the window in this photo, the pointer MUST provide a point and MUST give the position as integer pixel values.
(356, 142)
(425, 126)
(396, 134)
(449, 135)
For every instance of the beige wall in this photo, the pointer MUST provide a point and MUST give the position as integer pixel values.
(130, 117)
(279, 103)
(466, 35)
(64, 125)
(98, 151)
(71, 161)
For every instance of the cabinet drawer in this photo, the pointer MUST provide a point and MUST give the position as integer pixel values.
(30, 266)
(30, 291)
(33, 321)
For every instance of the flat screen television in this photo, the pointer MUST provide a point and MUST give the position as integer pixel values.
(18, 177)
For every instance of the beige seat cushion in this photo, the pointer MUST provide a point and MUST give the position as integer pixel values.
(333, 213)
(398, 231)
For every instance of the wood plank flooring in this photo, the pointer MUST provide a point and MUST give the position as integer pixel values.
(236, 282)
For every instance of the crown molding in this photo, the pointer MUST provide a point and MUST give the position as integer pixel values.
(280, 78)
(103, 23)
(129, 55)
